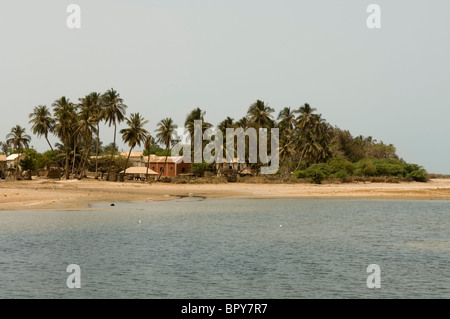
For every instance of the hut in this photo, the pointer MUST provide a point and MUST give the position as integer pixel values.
(2, 166)
(133, 173)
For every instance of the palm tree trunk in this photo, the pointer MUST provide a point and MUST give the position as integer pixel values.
(165, 161)
(53, 152)
(88, 148)
(126, 163)
(67, 163)
(301, 158)
(112, 152)
(74, 155)
(96, 151)
(148, 165)
(17, 164)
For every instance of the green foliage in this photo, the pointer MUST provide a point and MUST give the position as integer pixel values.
(315, 174)
(200, 168)
(118, 164)
(420, 175)
(299, 174)
(340, 174)
(155, 150)
(163, 153)
(27, 164)
(384, 168)
(338, 164)
(365, 167)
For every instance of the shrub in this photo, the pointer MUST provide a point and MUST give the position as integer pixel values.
(365, 167)
(340, 174)
(118, 164)
(419, 175)
(315, 174)
(299, 174)
(323, 167)
(340, 164)
(27, 164)
(385, 169)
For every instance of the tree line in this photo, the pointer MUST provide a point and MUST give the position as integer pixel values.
(309, 146)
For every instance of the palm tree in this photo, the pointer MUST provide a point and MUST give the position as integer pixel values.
(114, 114)
(259, 113)
(315, 136)
(165, 129)
(98, 115)
(19, 140)
(5, 148)
(43, 123)
(305, 117)
(195, 115)
(134, 134)
(149, 141)
(287, 118)
(86, 126)
(243, 123)
(64, 113)
(227, 123)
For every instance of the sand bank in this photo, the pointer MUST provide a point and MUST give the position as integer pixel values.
(74, 194)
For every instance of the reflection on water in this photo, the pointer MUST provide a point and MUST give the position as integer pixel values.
(193, 248)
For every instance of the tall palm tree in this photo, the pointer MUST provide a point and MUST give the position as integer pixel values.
(98, 115)
(259, 113)
(165, 130)
(287, 118)
(65, 114)
(149, 142)
(134, 134)
(19, 140)
(196, 114)
(86, 126)
(5, 148)
(115, 111)
(227, 123)
(306, 116)
(43, 123)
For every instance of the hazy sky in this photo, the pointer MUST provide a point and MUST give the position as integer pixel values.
(167, 57)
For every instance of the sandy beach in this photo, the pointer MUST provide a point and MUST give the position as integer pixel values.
(74, 194)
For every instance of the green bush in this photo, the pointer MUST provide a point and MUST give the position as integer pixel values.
(118, 164)
(315, 174)
(340, 164)
(323, 167)
(419, 175)
(299, 174)
(340, 174)
(365, 167)
(385, 169)
(27, 164)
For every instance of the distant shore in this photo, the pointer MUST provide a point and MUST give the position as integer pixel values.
(74, 194)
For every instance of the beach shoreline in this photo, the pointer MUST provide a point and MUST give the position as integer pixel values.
(46, 194)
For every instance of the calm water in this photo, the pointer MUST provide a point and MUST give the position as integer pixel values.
(229, 249)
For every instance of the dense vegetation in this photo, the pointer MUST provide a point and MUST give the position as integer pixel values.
(310, 147)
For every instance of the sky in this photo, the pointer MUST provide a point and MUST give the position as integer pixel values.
(168, 57)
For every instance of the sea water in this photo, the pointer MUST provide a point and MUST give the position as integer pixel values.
(229, 248)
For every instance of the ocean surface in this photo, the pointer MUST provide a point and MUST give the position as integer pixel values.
(233, 248)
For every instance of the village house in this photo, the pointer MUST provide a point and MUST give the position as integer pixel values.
(176, 165)
(136, 158)
(13, 160)
(2, 165)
